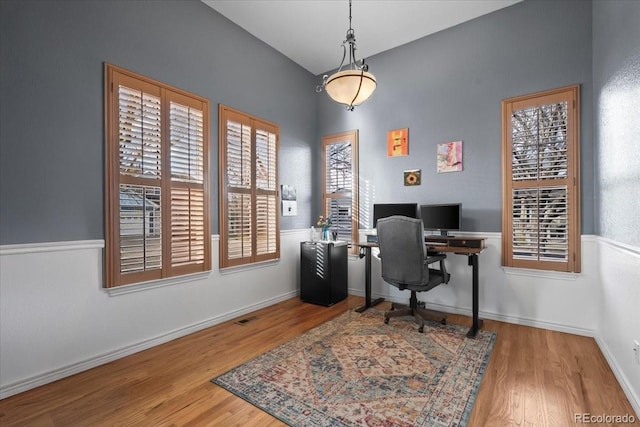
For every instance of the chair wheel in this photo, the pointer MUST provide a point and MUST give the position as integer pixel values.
(421, 329)
(386, 320)
(443, 322)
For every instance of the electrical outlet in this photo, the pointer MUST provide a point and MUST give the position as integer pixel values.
(636, 350)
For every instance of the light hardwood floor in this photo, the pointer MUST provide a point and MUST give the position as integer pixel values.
(534, 377)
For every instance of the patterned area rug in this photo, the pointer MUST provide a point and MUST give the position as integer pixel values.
(356, 371)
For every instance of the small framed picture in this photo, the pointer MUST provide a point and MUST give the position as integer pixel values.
(449, 157)
(412, 177)
(289, 200)
(398, 142)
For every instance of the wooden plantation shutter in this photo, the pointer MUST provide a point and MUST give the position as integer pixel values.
(340, 188)
(187, 162)
(157, 218)
(249, 208)
(541, 207)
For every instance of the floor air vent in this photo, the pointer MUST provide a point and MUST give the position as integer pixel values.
(247, 320)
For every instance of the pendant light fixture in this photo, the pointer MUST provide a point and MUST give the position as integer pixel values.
(353, 85)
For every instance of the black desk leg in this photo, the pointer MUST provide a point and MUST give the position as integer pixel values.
(477, 323)
(367, 283)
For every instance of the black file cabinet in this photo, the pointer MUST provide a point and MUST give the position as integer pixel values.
(323, 272)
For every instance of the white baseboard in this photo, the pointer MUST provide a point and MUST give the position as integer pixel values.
(622, 379)
(57, 374)
(488, 315)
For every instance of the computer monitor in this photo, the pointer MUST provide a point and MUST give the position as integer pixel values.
(383, 210)
(443, 217)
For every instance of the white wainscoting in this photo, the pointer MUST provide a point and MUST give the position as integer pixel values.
(57, 320)
(618, 307)
(557, 301)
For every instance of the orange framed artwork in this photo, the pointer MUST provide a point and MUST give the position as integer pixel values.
(398, 142)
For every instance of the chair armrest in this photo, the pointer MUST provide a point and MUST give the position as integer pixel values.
(434, 258)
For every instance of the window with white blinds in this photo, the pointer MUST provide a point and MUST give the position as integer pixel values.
(541, 207)
(249, 208)
(157, 220)
(340, 189)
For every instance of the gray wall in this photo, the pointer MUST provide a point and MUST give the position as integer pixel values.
(51, 108)
(616, 80)
(449, 87)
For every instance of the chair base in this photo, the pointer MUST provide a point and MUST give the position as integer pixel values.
(419, 314)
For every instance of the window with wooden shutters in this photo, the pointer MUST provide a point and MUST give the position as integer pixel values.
(157, 217)
(541, 206)
(249, 208)
(340, 189)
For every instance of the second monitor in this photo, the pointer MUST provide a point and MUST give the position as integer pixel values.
(442, 218)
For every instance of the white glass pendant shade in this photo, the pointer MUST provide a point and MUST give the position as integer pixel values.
(343, 86)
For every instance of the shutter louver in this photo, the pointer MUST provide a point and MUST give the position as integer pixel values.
(339, 168)
(139, 133)
(553, 219)
(187, 148)
(239, 226)
(539, 142)
(266, 217)
(187, 179)
(340, 213)
(266, 209)
(238, 155)
(540, 224)
(187, 227)
(140, 228)
(265, 160)
(340, 199)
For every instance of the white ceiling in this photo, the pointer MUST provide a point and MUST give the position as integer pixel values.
(311, 32)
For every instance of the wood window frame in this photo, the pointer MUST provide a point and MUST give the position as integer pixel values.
(352, 137)
(114, 179)
(253, 252)
(571, 180)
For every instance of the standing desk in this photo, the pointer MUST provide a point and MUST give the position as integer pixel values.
(468, 246)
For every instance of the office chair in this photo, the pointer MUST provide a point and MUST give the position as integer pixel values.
(405, 265)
